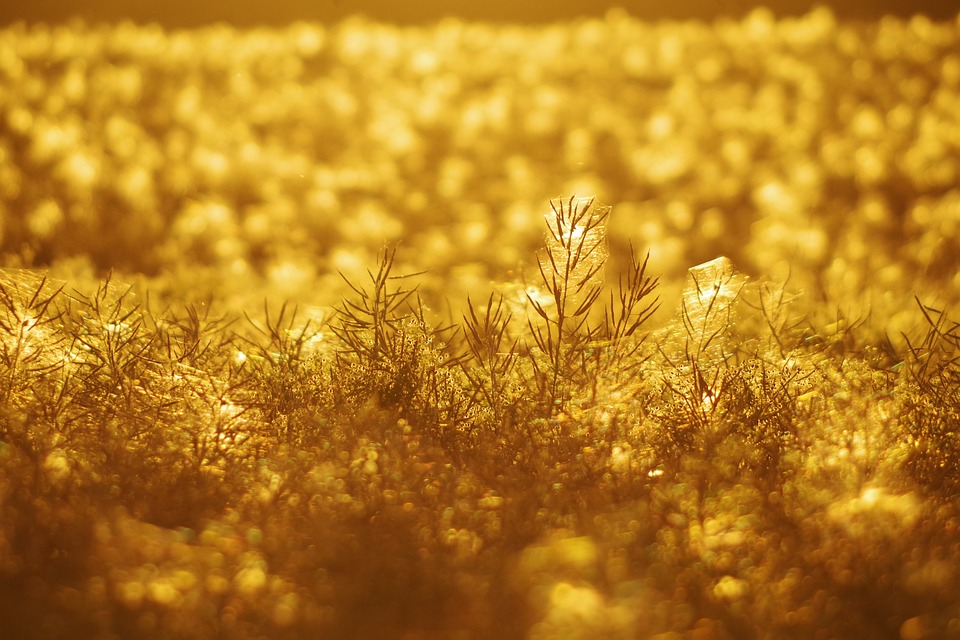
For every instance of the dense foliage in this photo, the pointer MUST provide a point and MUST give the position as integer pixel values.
(563, 473)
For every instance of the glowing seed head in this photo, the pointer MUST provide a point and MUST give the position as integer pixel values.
(712, 282)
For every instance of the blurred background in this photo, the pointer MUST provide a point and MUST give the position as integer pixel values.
(278, 145)
(187, 13)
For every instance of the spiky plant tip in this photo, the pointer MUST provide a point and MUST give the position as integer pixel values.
(576, 245)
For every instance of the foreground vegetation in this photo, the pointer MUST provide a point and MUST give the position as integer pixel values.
(498, 427)
(550, 471)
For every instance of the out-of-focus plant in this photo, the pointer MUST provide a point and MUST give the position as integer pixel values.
(393, 356)
(571, 273)
(727, 398)
(578, 340)
(931, 416)
(32, 351)
(288, 384)
(696, 360)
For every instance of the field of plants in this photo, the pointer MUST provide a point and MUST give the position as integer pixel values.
(592, 329)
